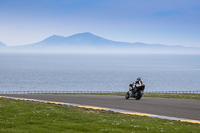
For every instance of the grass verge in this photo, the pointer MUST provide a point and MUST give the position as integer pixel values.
(174, 95)
(22, 116)
(190, 96)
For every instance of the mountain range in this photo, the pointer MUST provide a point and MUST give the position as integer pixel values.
(90, 43)
(2, 44)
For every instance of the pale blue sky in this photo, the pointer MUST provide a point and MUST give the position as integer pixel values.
(169, 22)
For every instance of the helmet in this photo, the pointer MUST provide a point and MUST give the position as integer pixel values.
(139, 79)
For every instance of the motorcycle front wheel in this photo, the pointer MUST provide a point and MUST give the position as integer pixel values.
(127, 95)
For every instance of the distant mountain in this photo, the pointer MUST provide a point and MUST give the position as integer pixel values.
(89, 39)
(90, 43)
(2, 44)
(81, 39)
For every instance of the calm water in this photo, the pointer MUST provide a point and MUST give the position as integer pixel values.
(68, 72)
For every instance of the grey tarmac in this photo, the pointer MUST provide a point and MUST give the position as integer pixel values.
(180, 108)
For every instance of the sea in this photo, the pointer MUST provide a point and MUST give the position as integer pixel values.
(98, 72)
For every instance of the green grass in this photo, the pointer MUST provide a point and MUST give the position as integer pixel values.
(23, 116)
(174, 95)
(190, 96)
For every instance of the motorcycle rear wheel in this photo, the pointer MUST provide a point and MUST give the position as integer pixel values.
(139, 95)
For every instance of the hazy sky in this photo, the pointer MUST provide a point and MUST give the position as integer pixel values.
(169, 22)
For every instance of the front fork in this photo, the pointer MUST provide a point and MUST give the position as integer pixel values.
(131, 94)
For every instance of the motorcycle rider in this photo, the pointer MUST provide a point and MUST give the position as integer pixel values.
(139, 82)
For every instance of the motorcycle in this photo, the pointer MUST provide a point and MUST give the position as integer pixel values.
(136, 93)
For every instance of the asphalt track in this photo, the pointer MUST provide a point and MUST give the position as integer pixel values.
(179, 108)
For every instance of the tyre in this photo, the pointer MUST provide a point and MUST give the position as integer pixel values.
(138, 95)
(127, 95)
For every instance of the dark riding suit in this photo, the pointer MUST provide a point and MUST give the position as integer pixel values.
(139, 83)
